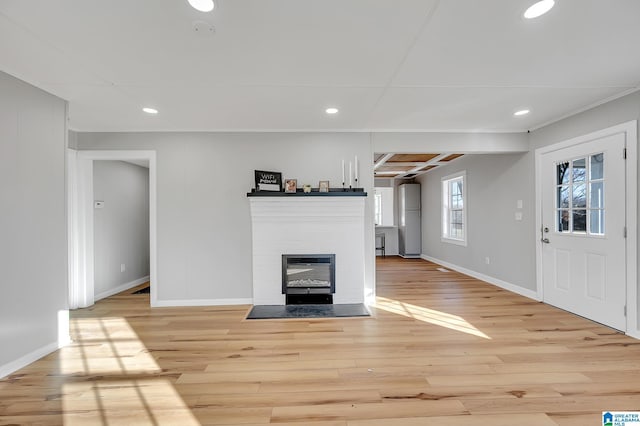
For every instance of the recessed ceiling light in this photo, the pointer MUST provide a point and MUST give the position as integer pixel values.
(202, 5)
(539, 9)
(150, 110)
(331, 110)
(521, 112)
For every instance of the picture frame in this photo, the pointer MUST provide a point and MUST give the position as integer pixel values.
(323, 186)
(290, 186)
(268, 181)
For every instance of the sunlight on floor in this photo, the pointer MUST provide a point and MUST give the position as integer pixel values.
(63, 328)
(443, 319)
(123, 383)
(146, 401)
(106, 346)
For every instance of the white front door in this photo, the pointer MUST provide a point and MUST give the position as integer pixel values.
(583, 229)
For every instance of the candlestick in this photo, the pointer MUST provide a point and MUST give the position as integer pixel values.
(350, 174)
(343, 173)
(356, 171)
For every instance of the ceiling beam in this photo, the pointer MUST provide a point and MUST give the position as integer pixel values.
(383, 160)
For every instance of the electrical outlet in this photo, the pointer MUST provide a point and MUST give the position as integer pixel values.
(487, 260)
(122, 267)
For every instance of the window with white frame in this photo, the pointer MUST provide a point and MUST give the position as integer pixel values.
(383, 200)
(454, 205)
(377, 198)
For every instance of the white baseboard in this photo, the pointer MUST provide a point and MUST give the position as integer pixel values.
(201, 302)
(120, 288)
(633, 333)
(491, 280)
(27, 359)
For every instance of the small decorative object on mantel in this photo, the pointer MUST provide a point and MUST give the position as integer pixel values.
(306, 188)
(290, 185)
(323, 186)
(268, 181)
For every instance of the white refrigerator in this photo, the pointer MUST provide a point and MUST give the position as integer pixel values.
(410, 234)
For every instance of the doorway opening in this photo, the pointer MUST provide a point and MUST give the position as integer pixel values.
(82, 205)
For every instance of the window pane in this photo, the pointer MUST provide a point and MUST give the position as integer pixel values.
(384, 206)
(456, 202)
(596, 222)
(563, 220)
(456, 188)
(580, 195)
(579, 170)
(456, 217)
(597, 164)
(562, 174)
(597, 195)
(579, 221)
(456, 194)
(453, 208)
(456, 231)
(563, 196)
(378, 206)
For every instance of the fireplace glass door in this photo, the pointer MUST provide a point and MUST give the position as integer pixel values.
(308, 274)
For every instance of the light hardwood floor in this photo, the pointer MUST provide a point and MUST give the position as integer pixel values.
(441, 349)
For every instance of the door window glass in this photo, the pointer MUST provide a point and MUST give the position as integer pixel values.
(580, 207)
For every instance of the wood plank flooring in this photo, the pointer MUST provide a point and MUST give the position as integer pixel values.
(441, 349)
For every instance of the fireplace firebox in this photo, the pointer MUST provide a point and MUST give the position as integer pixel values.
(308, 278)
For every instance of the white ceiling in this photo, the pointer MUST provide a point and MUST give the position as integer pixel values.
(419, 65)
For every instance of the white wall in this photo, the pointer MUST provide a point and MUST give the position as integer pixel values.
(121, 227)
(430, 142)
(203, 220)
(615, 112)
(495, 182)
(33, 248)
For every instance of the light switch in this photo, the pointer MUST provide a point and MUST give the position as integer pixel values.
(518, 215)
(519, 204)
(98, 204)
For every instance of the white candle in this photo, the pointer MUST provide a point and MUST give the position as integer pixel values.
(343, 171)
(356, 171)
(350, 173)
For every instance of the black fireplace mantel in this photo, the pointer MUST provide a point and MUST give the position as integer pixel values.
(333, 192)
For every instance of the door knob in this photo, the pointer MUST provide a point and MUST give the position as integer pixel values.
(545, 240)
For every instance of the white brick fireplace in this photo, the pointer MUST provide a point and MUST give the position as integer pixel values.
(308, 225)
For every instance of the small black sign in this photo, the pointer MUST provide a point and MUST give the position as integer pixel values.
(268, 181)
